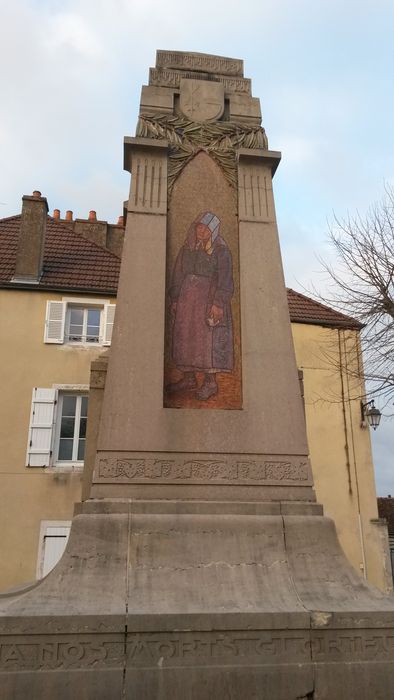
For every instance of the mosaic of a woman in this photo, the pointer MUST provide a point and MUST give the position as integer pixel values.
(200, 293)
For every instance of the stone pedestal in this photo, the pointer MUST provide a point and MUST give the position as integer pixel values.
(200, 564)
(196, 601)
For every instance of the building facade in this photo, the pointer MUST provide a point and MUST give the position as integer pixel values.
(58, 282)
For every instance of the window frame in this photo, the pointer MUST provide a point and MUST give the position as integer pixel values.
(85, 309)
(57, 463)
(44, 428)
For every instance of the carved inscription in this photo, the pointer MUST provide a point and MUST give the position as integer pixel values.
(371, 646)
(228, 469)
(265, 646)
(210, 648)
(172, 78)
(52, 655)
(200, 62)
(207, 648)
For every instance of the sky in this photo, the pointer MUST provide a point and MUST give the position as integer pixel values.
(71, 73)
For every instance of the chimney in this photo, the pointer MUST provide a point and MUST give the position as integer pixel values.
(56, 213)
(92, 229)
(69, 215)
(115, 237)
(30, 253)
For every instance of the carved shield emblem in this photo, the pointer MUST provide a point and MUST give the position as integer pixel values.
(201, 100)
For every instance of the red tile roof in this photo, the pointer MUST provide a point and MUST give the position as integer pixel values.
(70, 260)
(305, 310)
(76, 263)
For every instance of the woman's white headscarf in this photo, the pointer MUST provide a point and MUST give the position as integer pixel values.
(212, 222)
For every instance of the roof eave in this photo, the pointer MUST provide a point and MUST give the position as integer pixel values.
(57, 288)
(355, 326)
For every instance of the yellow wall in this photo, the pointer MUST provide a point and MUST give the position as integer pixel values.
(30, 495)
(340, 448)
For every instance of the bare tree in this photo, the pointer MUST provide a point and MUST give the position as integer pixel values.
(362, 284)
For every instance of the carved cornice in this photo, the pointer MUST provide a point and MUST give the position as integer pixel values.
(164, 77)
(186, 60)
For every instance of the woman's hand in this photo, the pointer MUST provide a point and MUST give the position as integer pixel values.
(216, 314)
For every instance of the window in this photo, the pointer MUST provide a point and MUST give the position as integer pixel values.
(57, 432)
(83, 324)
(53, 539)
(79, 321)
(72, 411)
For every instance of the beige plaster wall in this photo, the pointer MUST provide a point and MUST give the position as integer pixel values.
(343, 476)
(29, 495)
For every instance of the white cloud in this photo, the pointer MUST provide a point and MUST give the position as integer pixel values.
(299, 151)
(68, 31)
(382, 444)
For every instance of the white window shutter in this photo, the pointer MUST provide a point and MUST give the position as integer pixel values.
(54, 322)
(41, 427)
(109, 316)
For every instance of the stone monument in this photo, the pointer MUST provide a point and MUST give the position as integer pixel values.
(199, 564)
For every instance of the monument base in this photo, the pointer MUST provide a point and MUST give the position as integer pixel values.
(195, 601)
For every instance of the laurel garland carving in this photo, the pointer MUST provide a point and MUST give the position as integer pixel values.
(186, 138)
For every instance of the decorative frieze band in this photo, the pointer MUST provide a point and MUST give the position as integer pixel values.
(202, 469)
(191, 648)
(165, 77)
(199, 62)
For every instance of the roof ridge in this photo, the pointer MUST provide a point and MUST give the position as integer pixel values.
(8, 218)
(69, 228)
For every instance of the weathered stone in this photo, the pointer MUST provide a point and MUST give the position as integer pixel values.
(237, 590)
(243, 107)
(156, 99)
(201, 100)
(148, 189)
(165, 77)
(203, 62)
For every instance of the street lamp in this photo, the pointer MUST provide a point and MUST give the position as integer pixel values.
(370, 414)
